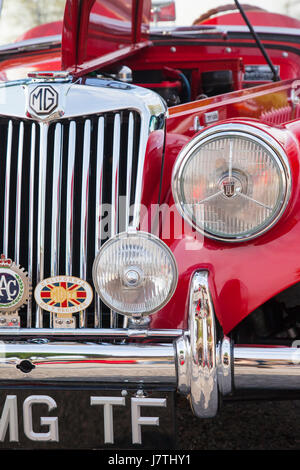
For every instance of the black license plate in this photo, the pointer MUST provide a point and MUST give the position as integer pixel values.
(86, 418)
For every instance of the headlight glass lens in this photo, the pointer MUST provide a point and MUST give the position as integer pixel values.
(135, 273)
(232, 186)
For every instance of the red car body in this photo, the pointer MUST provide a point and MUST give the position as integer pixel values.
(242, 280)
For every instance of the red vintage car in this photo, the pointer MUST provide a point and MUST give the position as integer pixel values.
(151, 219)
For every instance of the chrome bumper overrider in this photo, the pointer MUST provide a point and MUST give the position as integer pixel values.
(194, 362)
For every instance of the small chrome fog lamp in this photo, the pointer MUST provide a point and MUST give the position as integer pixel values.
(135, 273)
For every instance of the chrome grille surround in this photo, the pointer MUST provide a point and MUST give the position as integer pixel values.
(60, 170)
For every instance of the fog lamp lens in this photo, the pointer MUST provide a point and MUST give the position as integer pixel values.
(135, 273)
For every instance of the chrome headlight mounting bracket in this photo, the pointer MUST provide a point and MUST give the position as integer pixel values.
(204, 364)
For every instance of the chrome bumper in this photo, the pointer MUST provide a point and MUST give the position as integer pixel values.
(74, 361)
(194, 362)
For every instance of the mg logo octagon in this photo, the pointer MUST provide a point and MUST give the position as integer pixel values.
(43, 100)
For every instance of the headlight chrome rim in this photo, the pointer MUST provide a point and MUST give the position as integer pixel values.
(235, 130)
(112, 241)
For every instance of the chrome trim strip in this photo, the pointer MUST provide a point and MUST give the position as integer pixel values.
(7, 189)
(119, 363)
(31, 217)
(31, 44)
(70, 197)
(98, 333)
(41, 213)
(98, 225)
(173, 31)
(84, 207)
(19, 193)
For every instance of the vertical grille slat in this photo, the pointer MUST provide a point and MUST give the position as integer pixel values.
(41, 214)
(19, 193)
(130, 143)
(115, 192)
(129, 167)
(56, 192)
(31, 214)
(115, 175)
(84, 199)
(59, 178)
(70, 198)
(98, 197)
(7, 189)
(138, 174)
(84, 208)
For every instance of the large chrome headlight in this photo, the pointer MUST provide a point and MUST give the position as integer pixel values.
(135, 273)
(232, 182)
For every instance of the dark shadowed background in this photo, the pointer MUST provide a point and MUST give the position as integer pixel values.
(254, 425)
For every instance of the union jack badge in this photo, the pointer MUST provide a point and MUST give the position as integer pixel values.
(14, 286)
(63, 295)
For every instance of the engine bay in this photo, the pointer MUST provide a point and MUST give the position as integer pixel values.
(183, 75)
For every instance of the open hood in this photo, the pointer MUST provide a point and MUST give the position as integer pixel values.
(97, 33)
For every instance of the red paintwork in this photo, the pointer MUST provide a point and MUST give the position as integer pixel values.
(48, 29)
(104, 33)
(244, 275)
(257, 18)
(18, 66)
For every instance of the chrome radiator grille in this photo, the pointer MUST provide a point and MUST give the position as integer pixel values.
(55, 180)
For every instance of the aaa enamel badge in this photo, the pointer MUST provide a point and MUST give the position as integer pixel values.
(63, 294)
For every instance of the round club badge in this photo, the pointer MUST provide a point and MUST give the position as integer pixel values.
(14, 286)
(63, 294)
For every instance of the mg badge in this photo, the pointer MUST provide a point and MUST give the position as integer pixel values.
(14, 286)
(229, 188)
(63, 295)
(43, 100)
